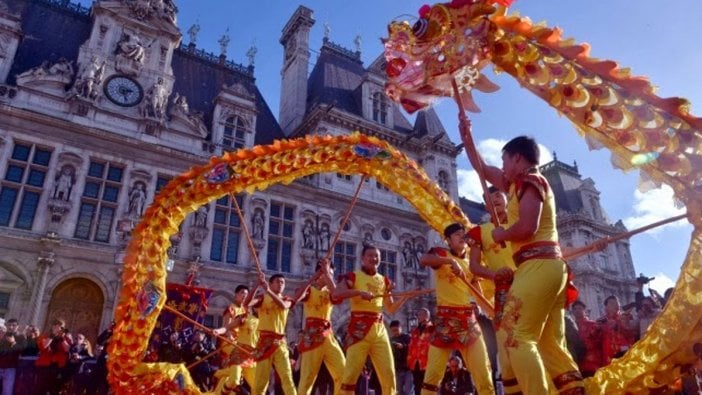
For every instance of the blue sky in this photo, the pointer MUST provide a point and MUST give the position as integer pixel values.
(654, 38)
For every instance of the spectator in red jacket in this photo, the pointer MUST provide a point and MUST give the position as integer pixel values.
(618, 330)
(418, 349)
(53, 356)
(591, 334)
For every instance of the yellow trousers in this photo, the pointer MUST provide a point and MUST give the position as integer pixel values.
(532, 332)
(231, 377)
(477, 362)
(331, 354)
(376, 344)
(281, 361)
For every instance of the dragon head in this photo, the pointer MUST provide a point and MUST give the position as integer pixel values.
(448, 40)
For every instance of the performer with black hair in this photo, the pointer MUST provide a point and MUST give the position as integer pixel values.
(369, 292)
(455, 324)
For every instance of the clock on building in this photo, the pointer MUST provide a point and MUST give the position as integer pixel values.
(123, 91)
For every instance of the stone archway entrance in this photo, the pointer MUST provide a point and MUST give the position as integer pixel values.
(80, 303)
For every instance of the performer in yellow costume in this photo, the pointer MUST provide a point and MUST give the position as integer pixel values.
(367, 336)
(497, 273)
(532, 326)
(455, 325)
(271, 348)
(318, 343)
(240, 326)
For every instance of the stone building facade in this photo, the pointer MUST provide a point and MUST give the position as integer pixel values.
(101, 107)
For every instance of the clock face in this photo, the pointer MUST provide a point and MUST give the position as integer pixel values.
(123, 91)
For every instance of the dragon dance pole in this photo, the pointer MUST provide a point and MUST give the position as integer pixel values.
(245, 229)
(469, 145)
(346, 217)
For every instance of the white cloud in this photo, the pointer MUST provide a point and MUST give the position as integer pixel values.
(469, 185)
(491, 151)
(652, 206)
(661, 282)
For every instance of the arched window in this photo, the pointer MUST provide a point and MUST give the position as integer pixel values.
(234, 132)
(380, 107)
(443, 180)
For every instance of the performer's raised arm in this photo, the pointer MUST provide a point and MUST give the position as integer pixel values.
(494, 175)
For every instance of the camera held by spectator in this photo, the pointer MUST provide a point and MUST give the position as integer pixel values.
(643, 280)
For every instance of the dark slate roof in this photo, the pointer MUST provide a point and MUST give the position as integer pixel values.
(200, 78)
(428, 123)
(336, 79)
(55, 28)
(378, 65)
(565, 181)
(473, 210)
(52, 30)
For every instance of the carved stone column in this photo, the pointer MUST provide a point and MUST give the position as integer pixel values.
(45, 259)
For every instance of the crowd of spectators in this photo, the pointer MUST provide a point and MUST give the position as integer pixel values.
(67, 363)
(54, 362)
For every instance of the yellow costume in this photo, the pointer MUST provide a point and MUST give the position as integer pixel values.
(238, 360)
(318, 343)
(271, 349)
(367, 335)
(455, 328)
(495, 258)
(532, 329)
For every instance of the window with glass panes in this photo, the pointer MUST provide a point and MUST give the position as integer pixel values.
(380, 107)
(23, 184)
(344, 257)
(98, 204)
(4, 303)
(281, 228)
(161, 182)
(388, 264)
(226, 233)
(234, 133)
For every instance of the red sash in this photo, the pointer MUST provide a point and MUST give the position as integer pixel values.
(503, 280)
(455, 327)
(315, 332)
(359, 325)
(268, 342)
(242, 355)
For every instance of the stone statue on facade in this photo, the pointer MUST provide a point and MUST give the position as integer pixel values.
(145, 9)
(308, 235)
(327, 30)
(198, 119)
(137, 200)
(192, 32)
(155, 100)
(131, 47)
(131, 54)
(224, 43)
(180, 106)
(201, 217)
(357, 42)
(408, 255)
(63, 67)
(257, 223)
(251, 54)
(60, 72)
(324, 237)
(63, 184)
(89, 79)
